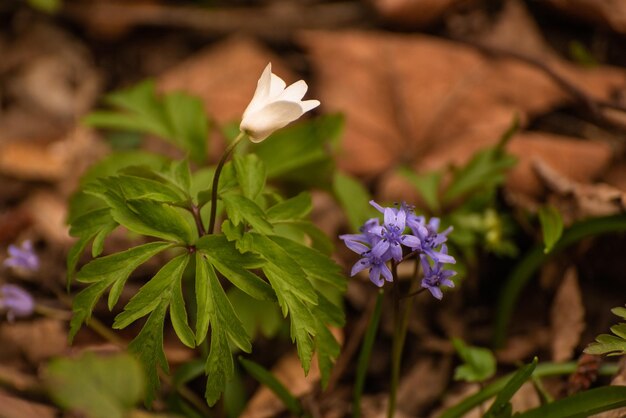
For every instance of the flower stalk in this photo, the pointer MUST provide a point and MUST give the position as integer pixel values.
(216, 179)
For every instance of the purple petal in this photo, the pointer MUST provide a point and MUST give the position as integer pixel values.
(375, 276)
(380, 248)
(360, 265)
(436, 292)
(390, 216)
(357, 247)
(386, 272)
(410, 241)
(377, 206)
(396, 251)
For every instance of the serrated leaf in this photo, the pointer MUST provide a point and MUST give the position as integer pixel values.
(327, 349)
(286, 272)
(251, 174)
(216, 309)
(152, 218)
(315, 264)
(139, 187)
(104, 272)
(234, 265)
(551, 226)
(97, 387)
(219, 366)
(354, 199)
(479, 364)
(148, 348)
(319, 240)
(295, 294)
(240, 208)
(95, 225)
(153, 293)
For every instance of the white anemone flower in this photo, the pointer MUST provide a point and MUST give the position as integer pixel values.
(274, 105)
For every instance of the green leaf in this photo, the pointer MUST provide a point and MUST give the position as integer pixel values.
(177, 117)
(152, 218)
(188, 123)
(216, 309)
(219, 366)
(315, 264)
(297, 207)
(427, 185)
(551, 225)
(265, 377)
(295, 294)
(104, 272)
(354, 200)
(95, 225)
(300, 153)
(46, 6)
(581, 405)
(501, 406)
(136, 187)
(611, 344)
(240, 208)
(479, 364)
(251, 174)
(234, 266)
(97, 387)
(257, 316)
(148, 348)
(484, 171)
(152, 294)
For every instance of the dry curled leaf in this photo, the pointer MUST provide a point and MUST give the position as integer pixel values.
(567, 317)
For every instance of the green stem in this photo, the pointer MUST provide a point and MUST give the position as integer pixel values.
(364, 355)
(401, 322)
(216, 179)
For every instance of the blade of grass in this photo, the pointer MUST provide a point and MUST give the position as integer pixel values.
(534, 258)
(265, 377)
(364, 355)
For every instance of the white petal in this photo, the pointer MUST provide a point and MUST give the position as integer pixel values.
(309, 104)
(295, 92)
(260, 124)
(277, 86)
(262, 91)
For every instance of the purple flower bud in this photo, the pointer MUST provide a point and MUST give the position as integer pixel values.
(22, 257)
(16, 302)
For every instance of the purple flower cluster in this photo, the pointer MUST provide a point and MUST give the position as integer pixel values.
(16, 302)
(378, 244)
(23, 257)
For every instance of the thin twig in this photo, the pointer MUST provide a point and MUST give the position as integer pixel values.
(595, 107)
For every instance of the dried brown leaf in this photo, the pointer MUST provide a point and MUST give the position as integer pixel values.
(13, 407)
(567, 317)
(431, 377)
(37, 340)
(428, 102)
